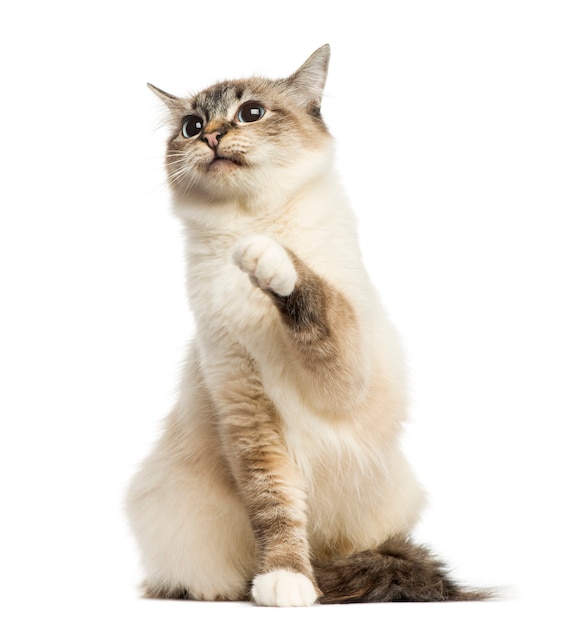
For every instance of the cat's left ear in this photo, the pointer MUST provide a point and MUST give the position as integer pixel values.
(309, 80)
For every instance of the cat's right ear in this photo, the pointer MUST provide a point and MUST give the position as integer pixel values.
(173, 103)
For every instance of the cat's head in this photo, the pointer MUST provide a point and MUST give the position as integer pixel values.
(237, 139)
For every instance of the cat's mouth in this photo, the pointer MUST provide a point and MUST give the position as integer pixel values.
(220, 161)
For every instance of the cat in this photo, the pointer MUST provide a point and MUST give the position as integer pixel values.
(278, 477)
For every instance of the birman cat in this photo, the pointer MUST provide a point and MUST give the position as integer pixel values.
(278, 476)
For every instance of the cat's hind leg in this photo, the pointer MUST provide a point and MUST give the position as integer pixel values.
(193, 533)
(192, 528)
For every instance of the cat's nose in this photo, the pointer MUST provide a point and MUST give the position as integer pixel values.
(212, 138)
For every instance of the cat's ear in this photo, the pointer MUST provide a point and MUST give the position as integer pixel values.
(173, 103)
(309, 80)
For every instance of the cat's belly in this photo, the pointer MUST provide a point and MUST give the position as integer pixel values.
(360, 491)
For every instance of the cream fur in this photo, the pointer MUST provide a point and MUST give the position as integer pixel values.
(267, 263)
(191, 525)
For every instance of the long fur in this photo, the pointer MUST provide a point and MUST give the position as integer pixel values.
(279, 474)
(396, 571)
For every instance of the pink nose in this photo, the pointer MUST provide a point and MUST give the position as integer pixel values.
(212, 138)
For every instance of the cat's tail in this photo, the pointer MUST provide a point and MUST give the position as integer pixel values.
(396, 571)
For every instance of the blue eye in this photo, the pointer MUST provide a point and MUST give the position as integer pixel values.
(192, 126)
(250, 112)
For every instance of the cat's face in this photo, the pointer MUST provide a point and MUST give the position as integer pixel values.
(238, 139)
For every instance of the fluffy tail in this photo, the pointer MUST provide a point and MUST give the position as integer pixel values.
(396, 571)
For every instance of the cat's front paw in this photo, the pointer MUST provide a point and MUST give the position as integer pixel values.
(267, 263)
(283, 588)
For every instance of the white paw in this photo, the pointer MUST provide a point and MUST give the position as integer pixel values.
(283, 588)
(267, 263)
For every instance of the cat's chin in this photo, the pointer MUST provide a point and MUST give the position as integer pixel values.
(223, 165)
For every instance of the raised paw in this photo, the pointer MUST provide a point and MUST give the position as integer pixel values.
(267, 263)
(283, 588)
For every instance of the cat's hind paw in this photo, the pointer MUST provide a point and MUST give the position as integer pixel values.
(283, 588)
(267, 263)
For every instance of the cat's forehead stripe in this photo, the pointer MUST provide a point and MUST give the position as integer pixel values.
(218, 99)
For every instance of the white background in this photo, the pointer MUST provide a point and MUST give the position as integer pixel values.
(451, 140)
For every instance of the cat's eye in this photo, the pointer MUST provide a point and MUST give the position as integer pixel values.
(192, 126)
(250, 112)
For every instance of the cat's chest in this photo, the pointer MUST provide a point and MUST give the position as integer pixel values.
(221, 296)
(220, 293)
